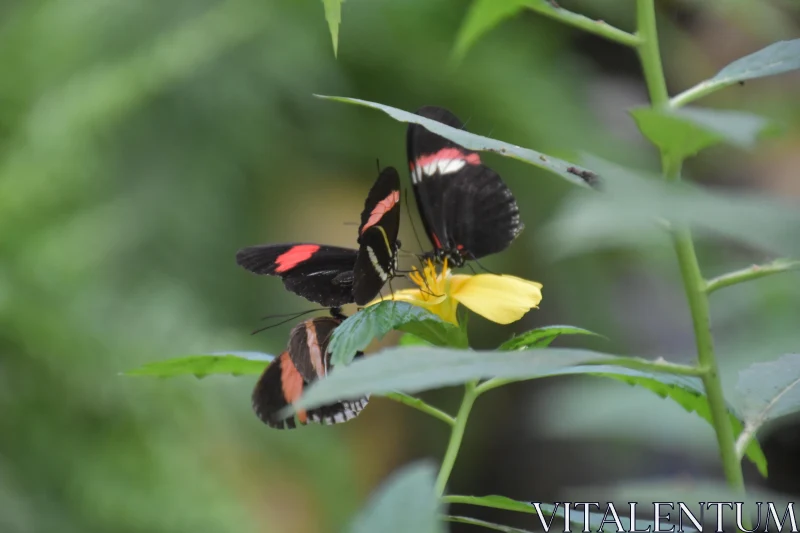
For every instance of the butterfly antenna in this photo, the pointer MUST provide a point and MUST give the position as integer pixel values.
(259, 330)
(464, 126)
(294, 314)
(483, 267)
(378, 163)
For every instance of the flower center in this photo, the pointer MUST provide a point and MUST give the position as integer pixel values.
(431, 284)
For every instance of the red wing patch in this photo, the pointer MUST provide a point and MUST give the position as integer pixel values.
(292, 384)
(383, 207)
(448, 153)
(294, 256)
(436, 241)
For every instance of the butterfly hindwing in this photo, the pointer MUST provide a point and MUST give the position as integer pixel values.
(321, 274)
(467, 210)
(306, 360)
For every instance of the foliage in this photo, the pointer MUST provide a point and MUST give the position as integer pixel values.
(627, 208)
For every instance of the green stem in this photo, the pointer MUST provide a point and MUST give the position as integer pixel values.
(597, 27)
(698, 91)
(749, 273)
(649, 54)
(695, 286)
(693, 282)
(456, 436)
(419, 405)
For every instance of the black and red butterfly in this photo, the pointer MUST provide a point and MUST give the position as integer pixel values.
(333, 276)
(305, 360)
(467, 210)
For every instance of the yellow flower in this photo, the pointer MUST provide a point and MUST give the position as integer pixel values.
(502, 299)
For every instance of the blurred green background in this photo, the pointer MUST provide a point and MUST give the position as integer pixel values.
(142, 143)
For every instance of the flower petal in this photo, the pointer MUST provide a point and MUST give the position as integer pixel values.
(501, 299)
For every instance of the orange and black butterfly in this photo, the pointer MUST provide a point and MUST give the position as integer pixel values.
(305, 360)
(334, 276)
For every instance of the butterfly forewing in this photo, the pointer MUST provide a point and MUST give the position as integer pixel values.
(321, 274)
(467, 210)
(377, 237)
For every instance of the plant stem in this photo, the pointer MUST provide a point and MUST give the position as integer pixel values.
(419, 405)
(649, 55)
(698, 91)
(693, 282)
(456, 436)
(597, 27)
(749, 273)
(694, 286)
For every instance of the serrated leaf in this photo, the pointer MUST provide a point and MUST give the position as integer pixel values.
(688, 392)
(375, 321)
(541, 337)
(636, 206)
(777, 58)
(235, 363)
(419, 368)
(683, 132)
(483, 16)
(405, 502)
(333, 14)
(767, 391)
(573, 173)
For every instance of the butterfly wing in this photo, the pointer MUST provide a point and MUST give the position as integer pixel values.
(465, 205)
(321, 274)
(377, 237)
(306, 360)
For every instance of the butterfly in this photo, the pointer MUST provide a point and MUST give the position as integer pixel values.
(333, 276)
(466, 209)
(305, 360)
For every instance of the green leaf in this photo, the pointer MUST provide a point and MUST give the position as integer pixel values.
(635, 208)
(777, 58)
(494, 501)
(236, 363)
(405, 502)
(541, 337)
(377, 320)
(767, 391)
(333, 14)
(483, 16)
(688, 392)
(416, 369)
(572, 173)
(681, 133)
(409, 339)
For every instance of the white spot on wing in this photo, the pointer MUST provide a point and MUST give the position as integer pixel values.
(376, 264)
